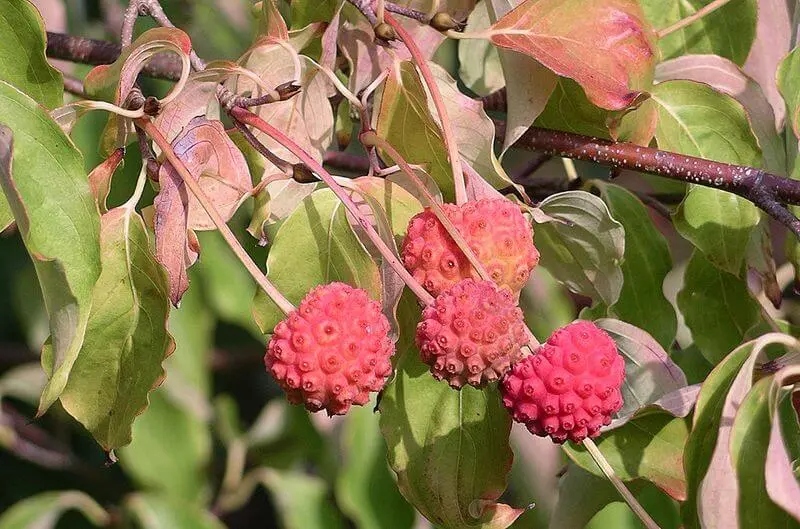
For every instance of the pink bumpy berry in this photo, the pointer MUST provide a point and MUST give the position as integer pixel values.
(570, 388)
(471, 334)
(333, 350)
(494, 229)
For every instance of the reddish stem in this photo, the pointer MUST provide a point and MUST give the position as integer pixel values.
(275, 295)
(248, 118)
(438, 102)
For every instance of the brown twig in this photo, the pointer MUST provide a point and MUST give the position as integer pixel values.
(74, 86)
(768, 191)
(345, 161)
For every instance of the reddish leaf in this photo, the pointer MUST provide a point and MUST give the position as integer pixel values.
(213, 159)
(100, 178)
(604, 45)
(271, 24)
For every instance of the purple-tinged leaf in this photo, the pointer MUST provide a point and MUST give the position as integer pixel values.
(773, 41)
(650, 374)
(678, 403)
(718, 495)
(781, 482)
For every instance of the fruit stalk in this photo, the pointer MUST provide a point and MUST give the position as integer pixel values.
(248, 118)
(626, 494)
(275, 295)
(438, 102)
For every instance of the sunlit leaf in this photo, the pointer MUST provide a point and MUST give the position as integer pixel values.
(650, 447)
(709, 34)
(697, 121)
(126, 335)
(43, 178)
(609, 49)
(449, 448)
(402, 118)
(313, 246)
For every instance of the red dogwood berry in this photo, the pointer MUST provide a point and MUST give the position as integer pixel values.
(570, 387)
(494, 229)
(471, 334)
(333, 350)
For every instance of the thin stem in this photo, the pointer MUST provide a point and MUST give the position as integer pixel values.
(408, 12)
(632, 502)
(372, 139)
(691, 19)
(275, 295)
(441, 110)
(248, 118)
(128, 21)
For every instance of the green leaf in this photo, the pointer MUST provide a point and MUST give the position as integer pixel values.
(697, 121)
(314, 246)
(569, 109)
(126, 335)
(159, 512)
(43, 178)
(179, 412)
(749, 443)
(648, 447)
(718, 308)
(788, 78)
(22, 55)
(705, 428)
(365, 487)
(449, 448)
(225, 281)
(305, 12)
(728, 31)
(402, 118)
(584, 246)
(44, 510)
(647, 262)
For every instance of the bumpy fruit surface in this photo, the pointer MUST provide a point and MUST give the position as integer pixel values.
(496, 231)
(471, 334)
(333, 350)
(570, 388)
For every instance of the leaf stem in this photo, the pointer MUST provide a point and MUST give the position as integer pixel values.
(691, 19)
(438, 103)
(370, 138)
(248, 118)
(626, 494)
(275, 295)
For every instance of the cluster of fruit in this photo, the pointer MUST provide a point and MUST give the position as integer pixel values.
(335, 348)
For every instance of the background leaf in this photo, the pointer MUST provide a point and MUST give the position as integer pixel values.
(711, 34)
(157, 512)
(717, 307)
(22, 28)
(44, 510)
